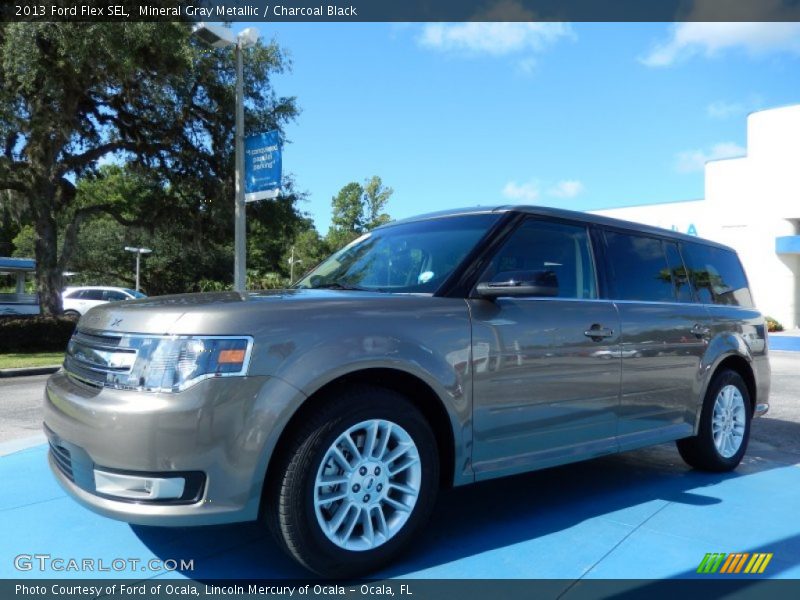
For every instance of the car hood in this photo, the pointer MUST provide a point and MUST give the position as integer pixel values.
(227, 313)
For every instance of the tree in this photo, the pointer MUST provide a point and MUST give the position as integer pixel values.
(74, 93)
(358, 209)
(375, 198)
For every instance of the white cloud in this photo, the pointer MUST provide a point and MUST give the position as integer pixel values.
(494, 39)
(723, 110)
(710, 39)
(690, 161)
(566, 189)
(527, 192)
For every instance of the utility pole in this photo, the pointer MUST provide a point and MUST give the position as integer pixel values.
(240, 225)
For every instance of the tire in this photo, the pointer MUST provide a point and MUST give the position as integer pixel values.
(294, 502)
(72, 314)
(702, 451)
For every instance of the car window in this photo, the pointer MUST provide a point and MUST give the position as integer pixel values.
(544, 249)
(638, 268)
(92, 295)
(717, 275)
(73, 294)
(408, 257)
(114, 296)
(677, 269)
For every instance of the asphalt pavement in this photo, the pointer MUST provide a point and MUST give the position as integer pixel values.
(21, 407)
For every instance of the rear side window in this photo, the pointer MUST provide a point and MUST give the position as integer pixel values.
(557, 251)
(639, 268)
(717, 275)
(680, 276)
(92, 295)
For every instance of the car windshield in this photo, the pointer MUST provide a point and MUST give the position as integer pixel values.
(413, 257)
(135, 294)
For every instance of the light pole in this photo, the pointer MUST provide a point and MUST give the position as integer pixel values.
(220, 37)
(139, 252)
(292, 262)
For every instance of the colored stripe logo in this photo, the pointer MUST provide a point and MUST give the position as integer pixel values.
(739, 562)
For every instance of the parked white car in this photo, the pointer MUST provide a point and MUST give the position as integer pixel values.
(77, 300)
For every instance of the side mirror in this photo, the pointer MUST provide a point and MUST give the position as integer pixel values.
(519, 283)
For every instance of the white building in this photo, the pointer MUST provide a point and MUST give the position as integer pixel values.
(752, 203)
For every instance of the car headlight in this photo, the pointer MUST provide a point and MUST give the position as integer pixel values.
(172, 364)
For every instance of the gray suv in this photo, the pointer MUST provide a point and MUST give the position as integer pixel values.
(436, 351)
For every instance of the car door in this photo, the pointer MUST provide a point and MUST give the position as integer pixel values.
(664, 336)
(546, 388)
(82, 300)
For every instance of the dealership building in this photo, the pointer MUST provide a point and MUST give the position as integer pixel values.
(751, 203)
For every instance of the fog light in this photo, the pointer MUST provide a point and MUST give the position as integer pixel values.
(134, 487)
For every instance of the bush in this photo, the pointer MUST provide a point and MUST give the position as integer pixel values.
(773, 325)
(35, 333)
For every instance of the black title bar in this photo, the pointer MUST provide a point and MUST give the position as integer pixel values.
(399, 10)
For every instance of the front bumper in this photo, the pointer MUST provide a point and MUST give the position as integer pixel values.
(219, 433)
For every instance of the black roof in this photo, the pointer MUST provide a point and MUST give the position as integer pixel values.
(560, 213)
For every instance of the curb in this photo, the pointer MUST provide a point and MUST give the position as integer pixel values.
(28, 371)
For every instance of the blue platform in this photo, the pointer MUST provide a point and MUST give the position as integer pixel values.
(640, 515)
(785, 342)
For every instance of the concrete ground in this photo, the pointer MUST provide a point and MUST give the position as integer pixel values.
(640, 515)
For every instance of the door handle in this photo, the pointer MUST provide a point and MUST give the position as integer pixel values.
(700, 330)
(598, 332)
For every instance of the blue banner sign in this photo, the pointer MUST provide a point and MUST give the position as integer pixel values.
(262, 166)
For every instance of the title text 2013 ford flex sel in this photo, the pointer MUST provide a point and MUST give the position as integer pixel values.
(441, 350)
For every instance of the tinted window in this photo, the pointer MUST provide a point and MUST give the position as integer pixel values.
(73, 294)
(114, 296)
(548, 248)
(680, 277)
(639, 269)
(91, 295)
(717, 275)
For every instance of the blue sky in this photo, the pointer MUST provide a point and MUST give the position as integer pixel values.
(579, 116)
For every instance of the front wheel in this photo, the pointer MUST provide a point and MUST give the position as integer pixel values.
(355, 483)
(724, 431)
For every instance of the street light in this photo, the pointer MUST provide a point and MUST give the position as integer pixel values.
(292, 262)
(139, 252)
(221, 37)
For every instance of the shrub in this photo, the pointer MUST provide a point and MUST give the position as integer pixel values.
(773, 325)
(35, 333)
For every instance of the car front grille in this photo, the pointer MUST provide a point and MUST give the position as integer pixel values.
(62, 459)
(93, 357)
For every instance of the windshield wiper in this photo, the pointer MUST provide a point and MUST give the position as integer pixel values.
(338, 285)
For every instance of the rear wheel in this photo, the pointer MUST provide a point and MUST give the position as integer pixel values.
(72, 314)
(355, 483)
(724, 432)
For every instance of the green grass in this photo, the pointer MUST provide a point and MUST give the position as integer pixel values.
(34, 359)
